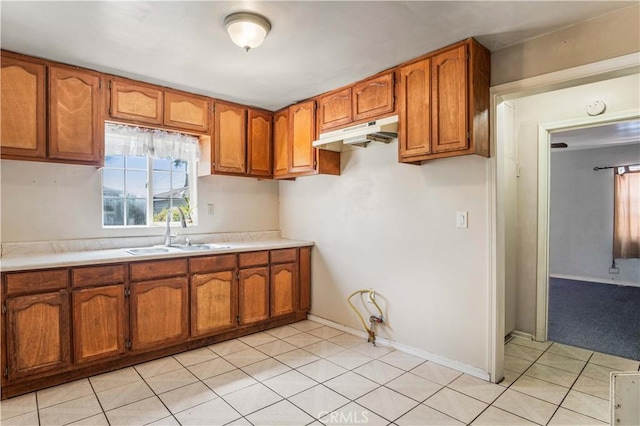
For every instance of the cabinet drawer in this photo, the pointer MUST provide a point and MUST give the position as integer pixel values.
(198, 265)
(158, 269)
(98, 275)
(40, 281)
(283, 256)
(254, 258)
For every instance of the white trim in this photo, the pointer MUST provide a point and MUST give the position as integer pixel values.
(595, 280)
(522, 334)
(464, 368)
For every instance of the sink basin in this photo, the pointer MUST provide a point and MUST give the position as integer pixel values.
(147, 250)
(200, 247)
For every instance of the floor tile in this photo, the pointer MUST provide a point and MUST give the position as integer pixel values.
(214, 412)
(306, 325)
(167, 421)
(321, 370)
(593, 387)
(124, 395)
(347, 340)
(297, 358)
(139, 413)
(97, 420)
(281, 413)
(245, 357)
(353, 414)
(597, 372)
(349, 359)
(63, 393)
(228, 347)
(228, 382)
(171, 380)
(18, 406)
(517, 365)
(25, 419)
(456, 405)
(114, 379)
(379, 372)
(562, 362)
(319, 400)
(552, 375)
(509, 378)
(476, 388)
(493, 416)
(414, 387)
(211, 368)
(564, 417)
(525, 406)
(351, 385)
(284, 331)
(436, 373)
(522, 352)
(263, 370)
(70, 411)
(325, 332)
(242, 421)
(195, 356)
(290, 383)
(257, 339)
(158, 366)
(587, 404)
(615, 362)
(371, 351)
(570, 351)
(523, 341)
(252, 398)
(402, 360)
(387, 403)
(540, 389)
(302, 339)
(187, 397)
(426, 416)
(324, 349)
(276, 347)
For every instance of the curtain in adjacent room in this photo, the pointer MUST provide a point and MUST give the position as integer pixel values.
(626, 226)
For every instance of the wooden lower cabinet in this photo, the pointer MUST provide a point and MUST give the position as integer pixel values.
(253, 295)
(214, 302)
(284, 289)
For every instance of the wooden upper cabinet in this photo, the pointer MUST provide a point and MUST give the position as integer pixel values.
(259, 144)
(414, 109)
(373, 97)
(137, 102)
(230, 136)
(253, 295)
(281, 143)
(214, 302)
(301, 135)
(335, 109)
(185, 111)
(76, 125)
(22, 114)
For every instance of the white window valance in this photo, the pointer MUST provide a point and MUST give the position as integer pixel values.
(130, 140)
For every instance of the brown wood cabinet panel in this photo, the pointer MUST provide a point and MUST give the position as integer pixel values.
(335, 109)
(98, 275)
(259, 143)
(214, 302)
(304, 280)
(36, 281)
(76, 126)
(189, 112)
(281, 143)
(38, 337)
(283, 255)
(22, 113)
(284, 289)
(158, 269)
(98, 323)
(159, 313)
(373, 97)
(230, 138)
(414, 109)
(253, 295)
(135, 102)
(253, 258)
(203, 264)
(301, 135)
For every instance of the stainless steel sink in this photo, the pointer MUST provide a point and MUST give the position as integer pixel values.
(147, 250)
(200, 247)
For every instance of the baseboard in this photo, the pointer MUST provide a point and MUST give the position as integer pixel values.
(464, 368)
(522, 334)
(594, 280)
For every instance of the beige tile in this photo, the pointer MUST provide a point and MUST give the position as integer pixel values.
(290, 383)
(324, 349)
(349, 359)
(570, 351)
(597, 372)
(351, 385)
(302, 339)
(186, 397)
(245, 357)
(297, 358)
(540, 389)
(456, 405)
(493, 416)
(352, 414)
(347, 340)
(593, 387)
(525, 406)
(167, 421)
(229, 347)
(284, 331)
(306, 325)
(228, 382)
(552, 375)
(562, 362)
(195, 356)
(509, 378)
(63, 393)
(114, 379)
(70, 411)
(158, 366)
(402, 360)
(214, 412)
(211, 368)
(281, 413)
(97, 420)
(386, 403)
(325, 332)
(321, 370)
(266, 369)
(242, 421)
(250, 399)
(564, 417)
(257, 339)
(139, 413)
(379, 372)
(436, 373)
(319, 400)
(171, 380)
(522, 352)
(276, 347)
(18, 406)
(25, 419)
(523, 341)
(372, 351)
(414, 387)
(477, 388)
(517, 365)
(124, 395)
(426, 416)
(587, 404)
(615, 362)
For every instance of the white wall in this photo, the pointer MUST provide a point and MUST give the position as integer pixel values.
(581, 214)
(47, 201)
(391, 227)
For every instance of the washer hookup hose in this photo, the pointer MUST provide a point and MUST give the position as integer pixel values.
(372, 319)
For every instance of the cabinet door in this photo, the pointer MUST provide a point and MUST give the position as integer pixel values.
(98, 323)
(135, 102)
(373, 97)
(254, 294)
(22, 114)
(76, 127)
(304, 280)
(302, 133)
(214, 302)
(284, 289)
(335, 109)
(159, 313)
(38, 337)
(230, 138)
(414, 138)
(259, 143)
(187, 112)
(281, 143)
(449, 100)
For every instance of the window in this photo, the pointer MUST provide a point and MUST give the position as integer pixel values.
(146, 174)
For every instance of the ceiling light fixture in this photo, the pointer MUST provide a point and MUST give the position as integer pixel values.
(247, 30)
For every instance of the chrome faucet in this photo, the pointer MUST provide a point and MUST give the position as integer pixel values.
(183, 223)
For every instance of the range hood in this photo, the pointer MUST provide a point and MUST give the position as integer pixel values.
(383, 130)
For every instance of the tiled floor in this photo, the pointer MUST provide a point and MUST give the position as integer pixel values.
(307, 373)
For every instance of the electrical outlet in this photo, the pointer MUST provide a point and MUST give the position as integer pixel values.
(210, 209)
(614, 270)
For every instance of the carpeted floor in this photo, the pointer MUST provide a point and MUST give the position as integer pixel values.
(600, 317)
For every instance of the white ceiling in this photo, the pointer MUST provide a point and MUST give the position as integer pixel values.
(619, 133)
(313, 47)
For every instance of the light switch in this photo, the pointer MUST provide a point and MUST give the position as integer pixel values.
(461, 220)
